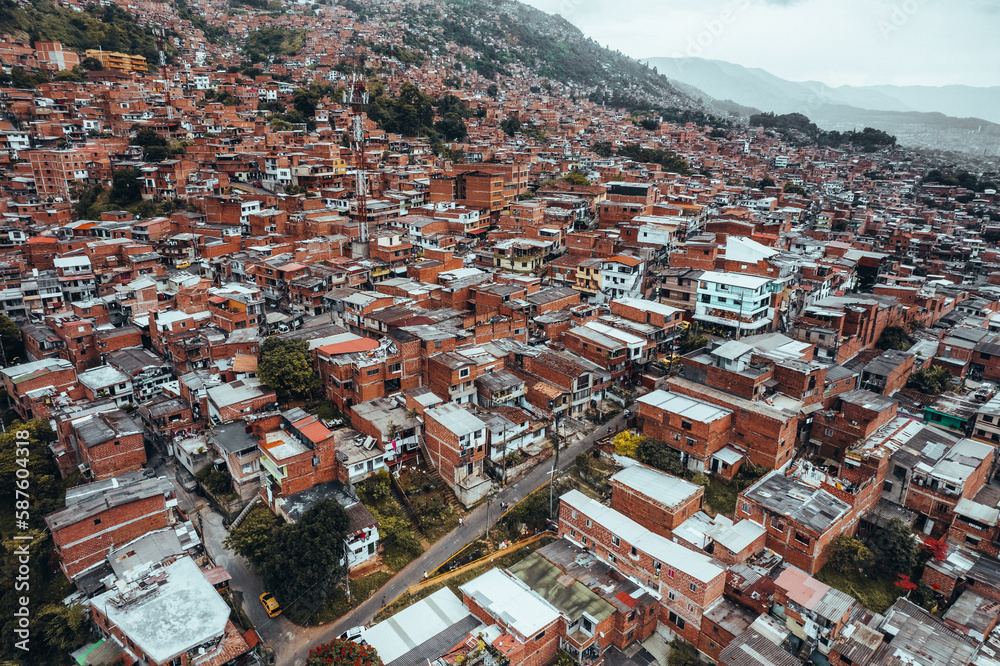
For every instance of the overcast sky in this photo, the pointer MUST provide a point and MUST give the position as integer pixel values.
(838, 42)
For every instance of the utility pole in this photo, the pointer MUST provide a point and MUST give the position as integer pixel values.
(503, 479)
(555, 470)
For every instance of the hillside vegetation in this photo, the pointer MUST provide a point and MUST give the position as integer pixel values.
(109, 28)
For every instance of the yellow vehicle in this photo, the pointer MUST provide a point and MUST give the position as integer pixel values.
(184, 264)
(270, 604)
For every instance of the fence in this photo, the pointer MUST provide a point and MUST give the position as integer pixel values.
(413, 589)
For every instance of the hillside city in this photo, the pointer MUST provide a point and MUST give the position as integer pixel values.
(425, 332)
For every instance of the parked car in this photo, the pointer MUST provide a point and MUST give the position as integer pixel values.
(186, 480)
(270, 604)
(355, 635)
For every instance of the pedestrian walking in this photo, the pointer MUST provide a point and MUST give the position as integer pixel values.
(383, 601)
(459, 522)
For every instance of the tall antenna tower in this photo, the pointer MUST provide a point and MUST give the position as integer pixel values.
(357, 98)
(163, 70)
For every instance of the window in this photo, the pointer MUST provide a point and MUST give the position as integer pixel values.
(612, 558)
(690, 441)
(572, 533)
(671, 595)
(615, 541)
(97, 521)
(745, 508)
(804, 540)
(677, 620)
(373, 372)
(692, 587)
(463, 373)
(686, 425)
(635, 553)
(670, 573)
(540, 636)
(588, 522)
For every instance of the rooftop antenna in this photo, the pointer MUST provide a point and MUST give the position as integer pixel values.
(358, 99)
(163, 71)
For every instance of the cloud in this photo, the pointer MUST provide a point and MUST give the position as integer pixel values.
(840, 42)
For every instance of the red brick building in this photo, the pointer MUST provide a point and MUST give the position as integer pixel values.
(654, 499)
(102, 516)
(456, 442)
(688, 582)
(696, 429)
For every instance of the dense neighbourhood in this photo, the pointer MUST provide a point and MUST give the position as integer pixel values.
(302, 290)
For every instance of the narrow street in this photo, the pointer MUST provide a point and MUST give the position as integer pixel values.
(292, 643)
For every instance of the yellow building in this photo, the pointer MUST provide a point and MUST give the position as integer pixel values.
(120, 62)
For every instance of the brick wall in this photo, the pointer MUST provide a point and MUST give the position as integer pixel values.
(87, 542)
(653, 515)
(687, 604)
(114, 458)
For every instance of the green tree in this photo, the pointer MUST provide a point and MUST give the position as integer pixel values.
(895, 337)
(492, 90)
(64, 628)
(765, 182)
(657, 454)
(603, 149)
(650, 124)
(155, 153)
(564, 659)
(287, 367)
(576, 178)
(146, 137)
(896, 550)
(91, 64)
(511, 125)
(216, 481)
(692, 340)
(847, 554)
(792, 188)
(934, 380)
(125, 187)
(682, 653)
(252, 537)
(343, 653)
(305, 559)
(46, 489)
(10, 338)
(452, 127)
(533, 511)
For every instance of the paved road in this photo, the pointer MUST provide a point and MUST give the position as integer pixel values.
(292, 643)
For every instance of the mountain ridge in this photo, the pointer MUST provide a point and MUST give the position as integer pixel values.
(914, 120)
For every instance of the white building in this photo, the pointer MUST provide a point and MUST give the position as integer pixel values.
(622, 276)
(735, 301)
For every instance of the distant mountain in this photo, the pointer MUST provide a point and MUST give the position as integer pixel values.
(948, 117)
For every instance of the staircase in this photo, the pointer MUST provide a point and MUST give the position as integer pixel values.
(247, 509)
(401, 499)
(447, 495)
